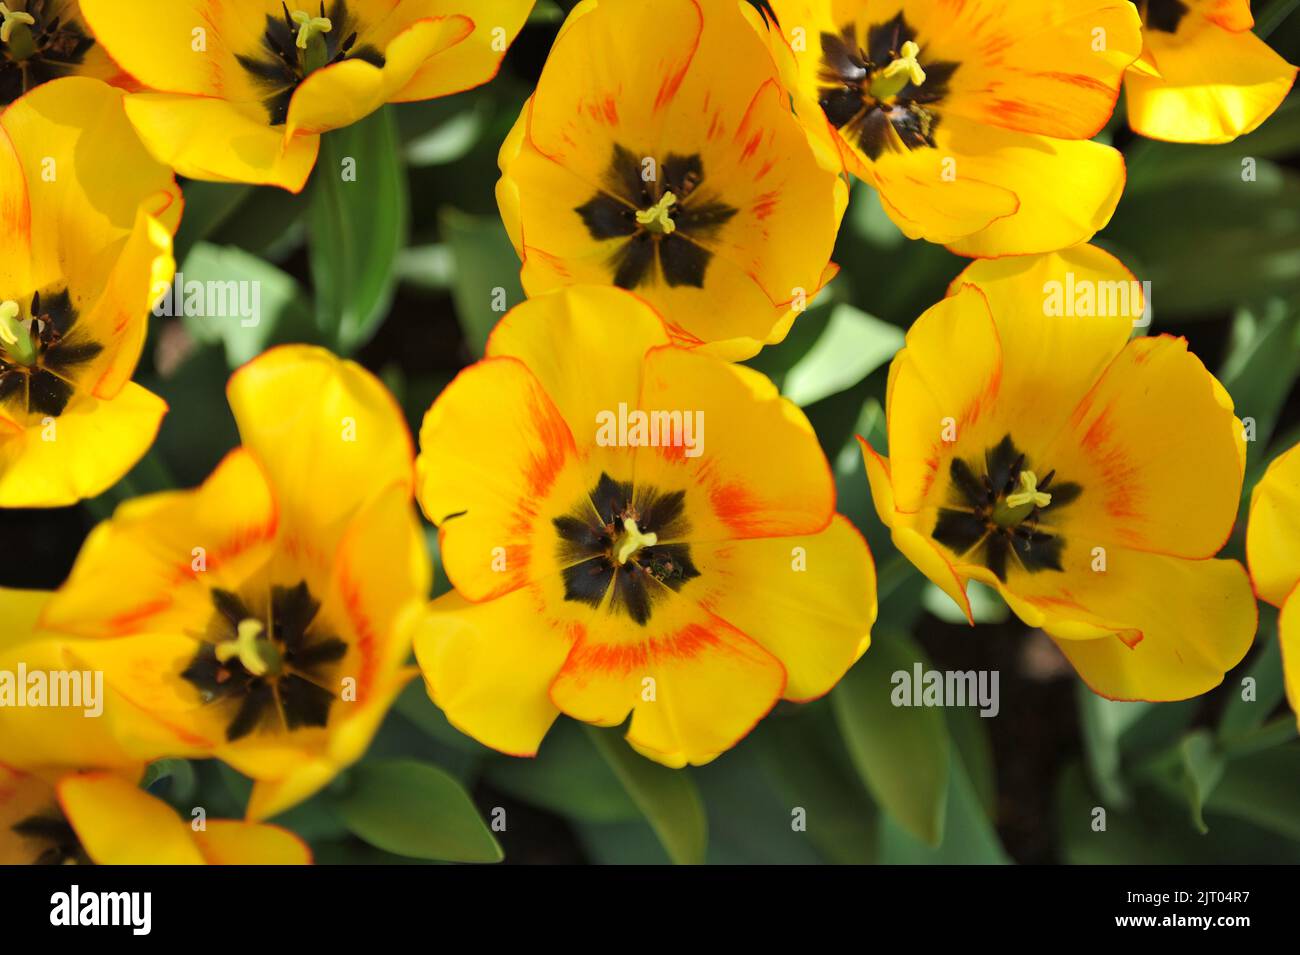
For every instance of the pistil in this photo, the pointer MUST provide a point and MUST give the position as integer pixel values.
(311, 38)
(888, 82)
(16, 34)
(1021, 502)
(656, 219)
(15, 338)
(260, 657)
(632, 540)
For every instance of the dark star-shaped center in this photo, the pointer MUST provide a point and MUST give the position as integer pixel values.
(282, 62)
(883, 93)
(44, 50)
(270, 665)
(1163, 15)
(610, 543)
(994, 510)
(666, 215)
(43, 383)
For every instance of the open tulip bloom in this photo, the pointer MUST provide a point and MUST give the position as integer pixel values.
(607, 562)
(1203, 76)
(104, 819)
(263, 618)
(1272, 546)
(971, 118)
(659, 154)
(1088, 478)
(240, 90)
(87, 218)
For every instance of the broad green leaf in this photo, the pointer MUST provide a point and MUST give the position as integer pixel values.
(667, 797)
(207, 206)
(486, 273)
(357, 225)
(1104, 722)
(1241, 715)
(852, 347)
(414, 809)
(902, 753)
(1260, 788)
(1211, 248)
(970, 738)
(750, 820)
(1154, 831)
(969, 836)
(1202, 769)
(237, 299)
(808, 769)
(429, 268)
(568, 777)
(1263, 361)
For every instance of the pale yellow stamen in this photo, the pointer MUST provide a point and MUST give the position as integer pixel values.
(656, 218)
(633, 540)
(1027, 492)
(309, 26)
(258, 656)
(15, 339)
(11, 19)
(886, 84)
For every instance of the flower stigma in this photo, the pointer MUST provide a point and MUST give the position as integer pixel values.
(888, 82)
(656, 219)
(630, 542)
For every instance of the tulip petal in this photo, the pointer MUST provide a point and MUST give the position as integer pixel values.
(80, 454)
(489, 666)
(1273, 534)
(1212, 85)
(212, 139)
(809, 601)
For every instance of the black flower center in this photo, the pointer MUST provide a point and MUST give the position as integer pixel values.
(995, 508)
(57, 842)
(853, 78)
(666, 214)
(1163, 15)
(45, 384)
(270, 666)
(42, 51)
(610, 543)
(282, 63)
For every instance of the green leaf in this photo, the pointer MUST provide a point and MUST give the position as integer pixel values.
(486, 273)
(1263, 361)
(969, 836)
(802, 759)
(1241, 716)
(667, 798)
(1104, 723)
(568, 777)
(852, 347)
(450, 140)
(1203, 767)
(182, 783)
(207, 206)
(1209, 249)
(255, 303)
(902, 753)
(357, 225)
(1260, 788)
(414, 809)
